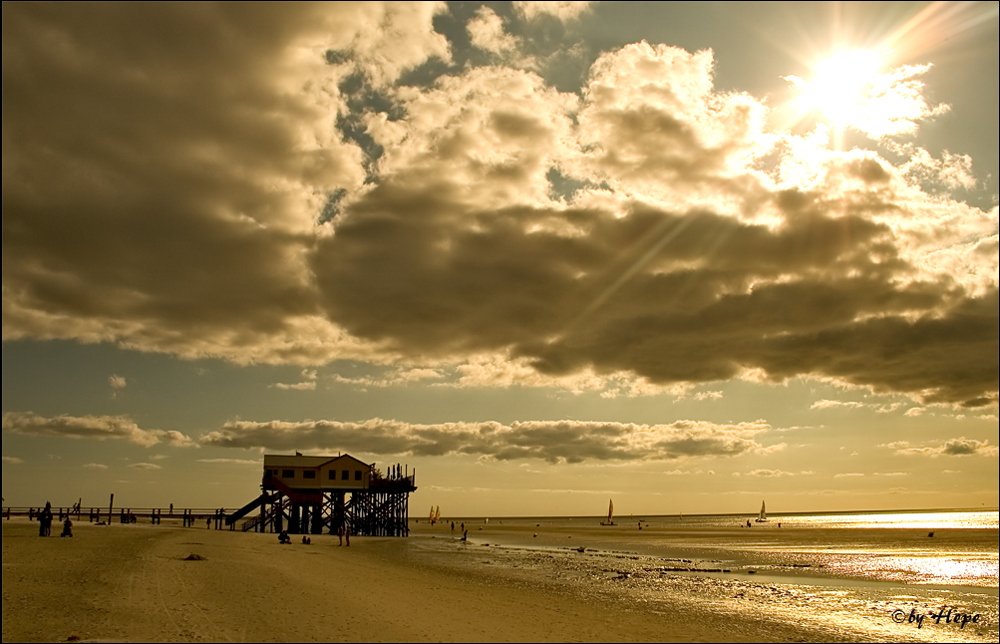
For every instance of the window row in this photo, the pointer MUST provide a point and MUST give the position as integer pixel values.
(345, 475)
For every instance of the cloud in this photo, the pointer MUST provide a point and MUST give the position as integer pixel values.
(228, 461)
(90, 427)
(562, 9)
(486, 32)
(774, 474)
(395, 377)
(94, 466)
(552, 441)
(144, 466)
(877, 408)
(12, 460)
(848, 475)
(308, 383)
(298, 386)
(834, 404)
(170, 165)
(479, 260)
(954, 447)
(117, 382)
(204, 182)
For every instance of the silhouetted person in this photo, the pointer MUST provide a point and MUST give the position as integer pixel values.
(283, 538)
(45, 521)
(67, 528)
(347, 534)
(340, 534)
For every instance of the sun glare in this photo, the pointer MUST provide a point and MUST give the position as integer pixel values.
(839, 89)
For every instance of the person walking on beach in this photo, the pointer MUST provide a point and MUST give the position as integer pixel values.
(347, 534)
(45, 521)
(340, 534)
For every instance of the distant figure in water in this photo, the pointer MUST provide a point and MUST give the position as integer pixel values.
(465, 536)
(67, 528)
(45, 521)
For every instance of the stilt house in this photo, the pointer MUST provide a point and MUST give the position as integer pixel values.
(313, 494)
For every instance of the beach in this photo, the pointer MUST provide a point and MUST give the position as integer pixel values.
(168, 583)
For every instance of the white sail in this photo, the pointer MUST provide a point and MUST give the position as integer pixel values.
(763, 513)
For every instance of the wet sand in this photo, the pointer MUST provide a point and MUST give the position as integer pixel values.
(134, 583)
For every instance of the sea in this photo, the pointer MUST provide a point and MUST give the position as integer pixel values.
(921, 576)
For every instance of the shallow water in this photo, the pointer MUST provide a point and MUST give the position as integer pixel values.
(851, 577)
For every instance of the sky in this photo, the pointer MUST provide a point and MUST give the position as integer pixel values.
(686, 256)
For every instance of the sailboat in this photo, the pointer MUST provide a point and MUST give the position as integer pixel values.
(762, 517)
(611, 513)
(437, 514)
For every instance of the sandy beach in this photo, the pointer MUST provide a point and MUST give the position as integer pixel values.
(134, 583)
(568, 583)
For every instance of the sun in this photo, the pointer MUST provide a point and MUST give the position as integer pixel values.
(840, 88)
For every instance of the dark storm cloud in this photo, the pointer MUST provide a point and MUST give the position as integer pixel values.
(164, 166)
(552, 441)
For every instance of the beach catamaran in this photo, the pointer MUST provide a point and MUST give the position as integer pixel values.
(611, 513)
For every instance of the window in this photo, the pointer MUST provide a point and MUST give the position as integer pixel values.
(357, 475)
(309, 474)
(333, 475)
(287, 474)
(345, 475)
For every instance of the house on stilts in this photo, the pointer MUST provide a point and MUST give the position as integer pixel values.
(313, 494)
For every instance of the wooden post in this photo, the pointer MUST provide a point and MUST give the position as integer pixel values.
(111, 509)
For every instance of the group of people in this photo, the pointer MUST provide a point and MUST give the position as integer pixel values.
(343, 532)
(45, 523)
